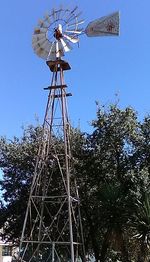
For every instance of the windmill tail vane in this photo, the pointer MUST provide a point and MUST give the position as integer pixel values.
(105, 26)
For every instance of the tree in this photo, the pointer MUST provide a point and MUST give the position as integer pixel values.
(109, 180)
(141, 223)
(17, 159)
(111, 166)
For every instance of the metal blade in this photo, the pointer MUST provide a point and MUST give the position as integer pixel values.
(72, 38)
(108, 25)
(73, 17)
(43, 30)
(53, 48)
(65, 13)
(46, 46)
(76, 7)
(40, 30)
(59, 13)
(52, 52)
(43, 24)
(47, 18)
(53, 14)
(60, 28)
(41, 52)
(77, 23)
(39, 42)
(36, 44)
(65, 45)
(59, 49)
(37, 37)
(79, 31)
(71, 14)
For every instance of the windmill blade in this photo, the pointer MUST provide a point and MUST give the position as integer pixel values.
(41, 52)
(36, 46)
(73, 17)
(60, 28)
(39, 42)
(71, 14)
(79, 31)
(59, 49)
(59, 13)
(76, 7)
(53, 14)
(52, 52)
(37, 37)
(65, 45)
(47, 46)
(47, 18)
(63, 13)
(72, 38)
(76, 23)
(43, 24)
(38, 30)
(108, 25)
(53, 47)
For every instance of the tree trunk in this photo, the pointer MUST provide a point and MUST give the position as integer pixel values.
(123, 248)
(115, 236)
(105, 246)
(93, 232)
(143, 255)
(95, 245)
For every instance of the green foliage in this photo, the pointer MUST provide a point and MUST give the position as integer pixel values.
(112, 168)
(17, 159)
(114, 176)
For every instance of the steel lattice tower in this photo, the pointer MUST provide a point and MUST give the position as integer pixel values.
(52, 229)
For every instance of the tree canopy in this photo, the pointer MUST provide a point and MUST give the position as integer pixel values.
(112, 168)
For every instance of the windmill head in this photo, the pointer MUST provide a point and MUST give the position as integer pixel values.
(61, 28)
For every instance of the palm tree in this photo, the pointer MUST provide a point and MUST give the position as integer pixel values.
(142, 225)
(114, 206)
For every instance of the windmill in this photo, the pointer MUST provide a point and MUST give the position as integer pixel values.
(61, 28)
(52, 229)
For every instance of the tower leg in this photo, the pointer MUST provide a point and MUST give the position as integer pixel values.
(52, 222)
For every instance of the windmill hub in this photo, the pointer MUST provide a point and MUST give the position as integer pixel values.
(58, 33)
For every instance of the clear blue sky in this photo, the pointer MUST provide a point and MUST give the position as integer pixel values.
(101, 67)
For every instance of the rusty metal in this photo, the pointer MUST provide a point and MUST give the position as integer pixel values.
(55, 66)
(104, 26)
(52, 222)
(54, 192)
